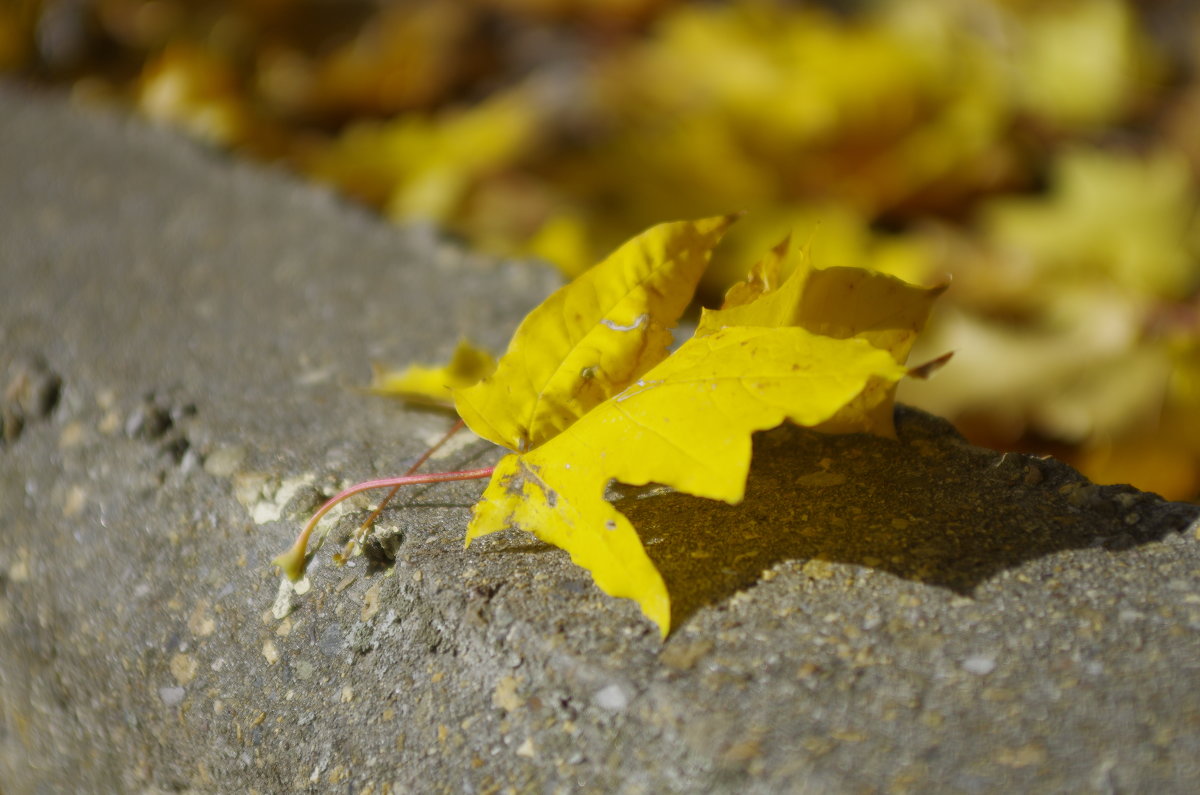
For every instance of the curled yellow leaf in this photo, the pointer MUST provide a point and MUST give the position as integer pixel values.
(835, 302)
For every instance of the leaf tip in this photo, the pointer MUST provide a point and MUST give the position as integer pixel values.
(657, 608)
(723, 222)
(942, 286)
(717, 224)
(664, 629)
(930, 367)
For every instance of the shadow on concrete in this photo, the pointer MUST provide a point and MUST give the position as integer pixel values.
(928, 508)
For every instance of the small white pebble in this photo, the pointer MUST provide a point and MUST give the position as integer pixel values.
(283, 599)
(171, 696)
(980, 664)
(612, 697)
(224, 461)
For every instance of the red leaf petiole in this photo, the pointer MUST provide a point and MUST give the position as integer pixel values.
(357, 538)
(294, 560)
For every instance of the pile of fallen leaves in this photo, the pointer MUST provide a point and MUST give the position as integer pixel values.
(1045, 155)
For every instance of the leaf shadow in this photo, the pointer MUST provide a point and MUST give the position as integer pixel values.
(928, 507)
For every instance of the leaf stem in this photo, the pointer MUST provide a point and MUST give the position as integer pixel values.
(361, 532)
(293, 561)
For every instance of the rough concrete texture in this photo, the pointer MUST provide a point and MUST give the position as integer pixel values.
(180, 338)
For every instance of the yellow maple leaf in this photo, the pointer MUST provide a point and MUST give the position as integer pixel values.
(587, 394)
(686, 422)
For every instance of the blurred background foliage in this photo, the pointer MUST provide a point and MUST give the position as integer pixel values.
(1045, 154)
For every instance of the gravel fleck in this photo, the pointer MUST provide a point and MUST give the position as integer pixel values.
(171, 696)
(980, 664)
(612, 697)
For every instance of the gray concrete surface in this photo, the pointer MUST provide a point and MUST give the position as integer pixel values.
(180, 340)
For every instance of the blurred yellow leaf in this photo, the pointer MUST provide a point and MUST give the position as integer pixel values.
(1080, 63)
(419, 167)
(195, 89)
(563, 241)
(1079, 371)
(1110, 216)
(404, 58)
